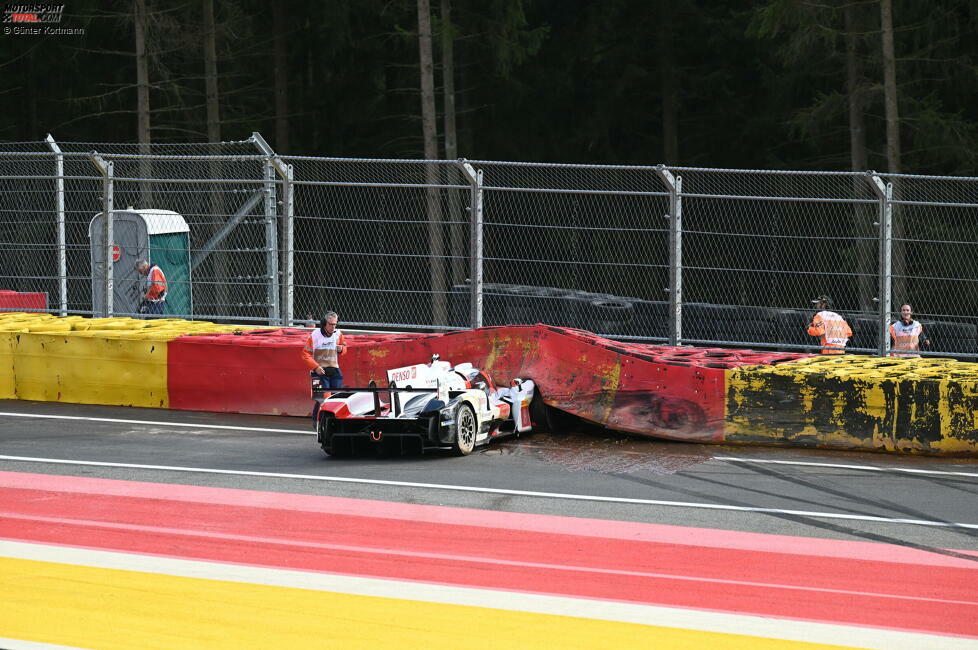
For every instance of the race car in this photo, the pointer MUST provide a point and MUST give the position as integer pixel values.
(424, 407)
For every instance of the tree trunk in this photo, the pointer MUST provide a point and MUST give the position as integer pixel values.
(142, 103)
(667, 80)
(890, 89)
(899, 266)
(863, 217)
(456, 215)
(439, 312)
(429, 128)
(220, 266)
(281, 75)
(210, 74)
(448, 78)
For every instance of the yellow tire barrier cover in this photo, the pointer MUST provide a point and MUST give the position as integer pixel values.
(91, 370)
(113, 361)
(857, 402)
(7, 385)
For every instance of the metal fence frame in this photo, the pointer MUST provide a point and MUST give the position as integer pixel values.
(434, 189)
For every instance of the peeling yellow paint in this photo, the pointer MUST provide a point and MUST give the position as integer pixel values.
(919, 405)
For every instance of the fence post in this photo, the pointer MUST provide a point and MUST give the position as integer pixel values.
(108, 188)
(288, 234)
(59, 206)
(884, 298)
(675, 186)
(271, 229)
(475, 242)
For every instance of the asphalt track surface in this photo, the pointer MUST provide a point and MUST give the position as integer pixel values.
(921, 505)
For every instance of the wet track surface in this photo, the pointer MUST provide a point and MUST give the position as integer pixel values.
(917, 502)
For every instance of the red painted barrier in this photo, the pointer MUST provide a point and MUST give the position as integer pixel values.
(663, 391)
(668, 392)
(17, 301)
(248, 373)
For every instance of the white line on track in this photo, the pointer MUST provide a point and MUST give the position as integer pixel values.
(157, 423)
(486, 490)
(20, 644)
(867, 468)
(730, 459)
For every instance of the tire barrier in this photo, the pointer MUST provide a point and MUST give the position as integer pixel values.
(249, 372)
(715, 395)
(865, 333)
(17, 300)
(609, 316)
(955, 338)
(705, 323)
(789, 327)
(667, 392)
(857, 402)
(515, 304)
(111, 361)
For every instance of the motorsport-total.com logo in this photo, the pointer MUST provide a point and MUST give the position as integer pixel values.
(35, 19)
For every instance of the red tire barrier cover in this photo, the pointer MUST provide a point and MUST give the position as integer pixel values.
(238, 374)
(17, 301)
(668, 392)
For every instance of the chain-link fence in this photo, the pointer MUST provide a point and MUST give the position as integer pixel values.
(694, 255)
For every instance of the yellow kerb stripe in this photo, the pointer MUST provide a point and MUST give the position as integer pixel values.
(111, 608)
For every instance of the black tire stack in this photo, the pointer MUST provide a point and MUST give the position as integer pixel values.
(950, 337)
(865, 333)
(722, 325)
(790, 328)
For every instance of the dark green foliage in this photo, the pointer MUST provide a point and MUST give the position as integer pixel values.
(758, 84)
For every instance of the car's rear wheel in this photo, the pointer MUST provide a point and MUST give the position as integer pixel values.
(466, 426)
(327, 443)
(540, 414)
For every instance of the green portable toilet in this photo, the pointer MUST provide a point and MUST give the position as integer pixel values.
(160, 237)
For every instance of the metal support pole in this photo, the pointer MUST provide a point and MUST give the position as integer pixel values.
(675, 289)
(884, 296)
(231, 224)
(288, 273)
(282, 297)
(271, 245)
(475, 242)
(108, 239)
(59, 207)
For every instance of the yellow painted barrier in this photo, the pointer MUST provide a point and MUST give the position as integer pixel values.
(91, 370)
(857, 402)
(113, 361)
(8, 388)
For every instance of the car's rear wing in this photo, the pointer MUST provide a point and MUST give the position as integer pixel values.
(340, 393)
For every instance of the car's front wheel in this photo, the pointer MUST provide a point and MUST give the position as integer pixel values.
(466, 426)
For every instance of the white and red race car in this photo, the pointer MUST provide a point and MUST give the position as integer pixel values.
(423, 407)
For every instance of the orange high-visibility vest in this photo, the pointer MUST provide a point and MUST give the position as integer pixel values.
(833, 330)
(320, 350)
(157, 284)
(906, 337)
